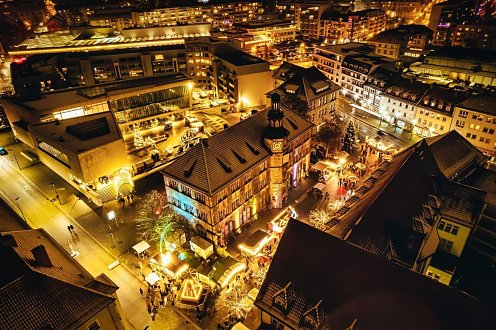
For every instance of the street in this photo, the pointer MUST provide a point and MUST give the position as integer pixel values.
(42, 213)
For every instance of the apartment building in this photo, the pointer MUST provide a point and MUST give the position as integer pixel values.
(399, 102)
(309, 93)
(357, 26)
(305, 15)
(475, 119)
(119, 18)
(349, 65)
(224, 182)
(475, 36)
(403, 9)
(405, 40)
(434, 112)
(445, 16)
(222, 15)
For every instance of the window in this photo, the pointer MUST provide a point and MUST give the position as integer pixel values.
(94, 325)
(441, 225)
(445, 244)
(460, 123)
(448, 227)
(454, 231)
(474, 116)
(463, 114)
(491, 131)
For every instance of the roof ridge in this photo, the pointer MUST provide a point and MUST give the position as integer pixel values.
(206, 168)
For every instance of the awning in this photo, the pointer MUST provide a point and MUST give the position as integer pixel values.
(320, 166)
(141, 247)
(360, 166)
(152, 278)
(319, 186)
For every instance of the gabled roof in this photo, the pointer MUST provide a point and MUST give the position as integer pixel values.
(286, 70)
(381, 215)
(308, 84)
(9, 220)
(356, 285)
(218, 160)
(480, 103)
(33, 296)
(454, 154)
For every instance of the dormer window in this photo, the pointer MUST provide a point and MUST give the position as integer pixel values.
(283, 298)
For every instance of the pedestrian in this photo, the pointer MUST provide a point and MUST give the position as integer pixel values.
(72, 227)
(128, 199)
(141, 292)
(69, 228)
(132, 199)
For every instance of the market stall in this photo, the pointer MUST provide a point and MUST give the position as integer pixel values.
(140, 248)
(201, 247)
(169, 264)
(255, 243)
(279, 223)
(152, 278)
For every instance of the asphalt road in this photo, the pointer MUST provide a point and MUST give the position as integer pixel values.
(42, 213)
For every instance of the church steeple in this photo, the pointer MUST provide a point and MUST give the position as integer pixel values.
(275, 129)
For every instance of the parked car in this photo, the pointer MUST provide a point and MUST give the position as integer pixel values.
(3, 152)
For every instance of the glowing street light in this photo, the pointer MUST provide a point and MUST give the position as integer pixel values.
(111, 216)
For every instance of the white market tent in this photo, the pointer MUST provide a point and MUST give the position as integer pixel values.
(320, 166)
(152, 278)
(141, 247)
(319, 186)
(240, 326)
(201, 247)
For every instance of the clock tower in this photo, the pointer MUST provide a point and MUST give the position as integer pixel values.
(275, 138)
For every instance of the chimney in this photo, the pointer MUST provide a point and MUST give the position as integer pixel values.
(8, 240)
(41, 256)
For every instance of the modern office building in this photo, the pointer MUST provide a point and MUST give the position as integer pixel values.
(85, 133)
(43, 287)
(402, 42)
(357, 26)
(469, 65)
(310, 94)
(346, 287)
(225, 181)
(87, 39)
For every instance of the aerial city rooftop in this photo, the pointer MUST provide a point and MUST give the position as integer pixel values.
(236, 164)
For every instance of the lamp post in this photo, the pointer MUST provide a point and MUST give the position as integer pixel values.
(15, 157)
(111, 216)
(55, 191)
(19, 206)
(414, 122)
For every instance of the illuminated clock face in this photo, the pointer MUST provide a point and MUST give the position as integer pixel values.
(277, 146)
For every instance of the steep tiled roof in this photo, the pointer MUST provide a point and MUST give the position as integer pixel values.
(485, 180)
(218, 160)
(480, 103)
(454, 154)
(286, 70)
(32, 296)
(9, 220)
(307, 84)
(356, 285)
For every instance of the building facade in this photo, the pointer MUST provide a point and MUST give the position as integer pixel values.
(357, 26)
(475, 119)
(225, 181)
(305, 15)
(310, 94)
(475, 36)
(403, 9)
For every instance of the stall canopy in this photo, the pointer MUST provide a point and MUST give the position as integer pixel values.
(320, 166)
(152, 278)
(319, 186)
(141, 247)
(256, 242)
(201, 247)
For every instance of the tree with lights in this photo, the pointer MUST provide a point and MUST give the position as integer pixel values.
(232, 300)
(319, 219)
(154, 221)
(259, 276)
(349, 138)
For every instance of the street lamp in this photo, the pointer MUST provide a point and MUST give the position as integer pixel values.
(55, 191)
(15, 157)
(111, 216)
(414, 122)
(19, 206)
